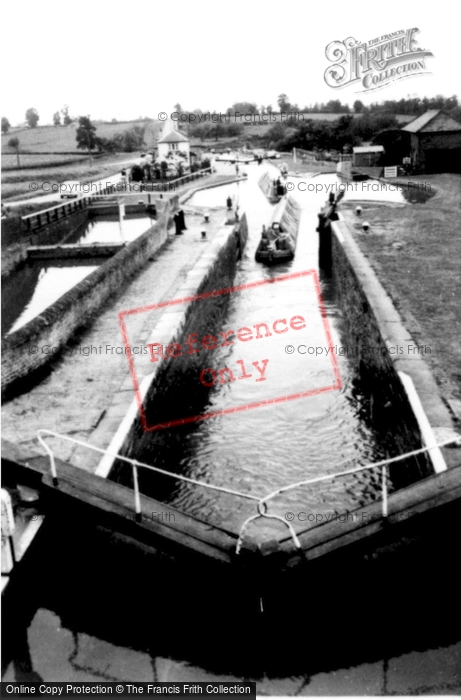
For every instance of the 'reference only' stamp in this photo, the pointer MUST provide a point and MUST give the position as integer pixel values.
(255, 351)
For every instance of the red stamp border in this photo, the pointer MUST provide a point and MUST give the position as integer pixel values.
(219, 292)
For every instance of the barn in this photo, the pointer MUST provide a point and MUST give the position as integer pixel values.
(367, 156)
(435, 142)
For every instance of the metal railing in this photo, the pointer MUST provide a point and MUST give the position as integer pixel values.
(261, 501)
(135, 465)
(62, 211)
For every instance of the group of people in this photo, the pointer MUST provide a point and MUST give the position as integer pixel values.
(145, 171)
(279, 189)
(274, 238)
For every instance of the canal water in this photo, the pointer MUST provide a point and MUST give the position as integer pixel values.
(85, 607)
(110, 230)
(259, 450)
(36, 285)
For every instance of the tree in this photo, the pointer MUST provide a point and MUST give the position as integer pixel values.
(243, 108)
(14, 143)
(336, 106)
(133, 138)
(177, 107)
(86, 134)
(32, 117)
(358, 106)
(275, 135)
(5, 125)
(66, 119)
(283, 103)
(57, 119)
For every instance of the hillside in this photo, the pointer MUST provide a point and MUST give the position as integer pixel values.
(61, 139)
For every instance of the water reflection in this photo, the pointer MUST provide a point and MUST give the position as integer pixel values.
(33, 288)
(111, 229)
(29, 290)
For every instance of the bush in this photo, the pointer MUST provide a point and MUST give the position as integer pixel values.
(125, 142)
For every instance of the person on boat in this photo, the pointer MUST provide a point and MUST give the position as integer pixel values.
(229, 202)
(283, 241)
(264, 239)
(273, 235)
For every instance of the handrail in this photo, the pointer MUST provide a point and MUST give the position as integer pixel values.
(261, 501)
(134, 463)
(192, 176)
(111, 190)
(79, 198)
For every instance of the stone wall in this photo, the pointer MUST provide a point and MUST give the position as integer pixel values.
(170, 381)
(75, 309)
(16, 237)
(374, 334)
(56, 231)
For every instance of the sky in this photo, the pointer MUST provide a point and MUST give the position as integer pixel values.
(128, 60)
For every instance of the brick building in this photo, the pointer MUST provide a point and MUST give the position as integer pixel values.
(435, 142)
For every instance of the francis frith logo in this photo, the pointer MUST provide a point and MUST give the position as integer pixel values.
(376, 63)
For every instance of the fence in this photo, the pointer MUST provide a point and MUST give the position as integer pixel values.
(61, 211)
(262, 501)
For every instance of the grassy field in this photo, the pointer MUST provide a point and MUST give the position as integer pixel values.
(61, 139)
(39, 160)
(15, 183)
(54, 156)
(416, 251)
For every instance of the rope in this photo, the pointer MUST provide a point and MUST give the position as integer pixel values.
(134, 462)
(371, 465)
(261, 501)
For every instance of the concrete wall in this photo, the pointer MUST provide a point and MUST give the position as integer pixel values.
(74, 309)
(374, 331)
(169, 382)
(56, 231)
(16, 238)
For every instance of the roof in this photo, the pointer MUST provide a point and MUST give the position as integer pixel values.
(173, 137)
(433, 120)
(368, 149)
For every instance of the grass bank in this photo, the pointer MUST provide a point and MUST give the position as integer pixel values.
(416, 250)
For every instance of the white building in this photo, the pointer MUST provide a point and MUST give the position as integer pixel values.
(173, 147)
